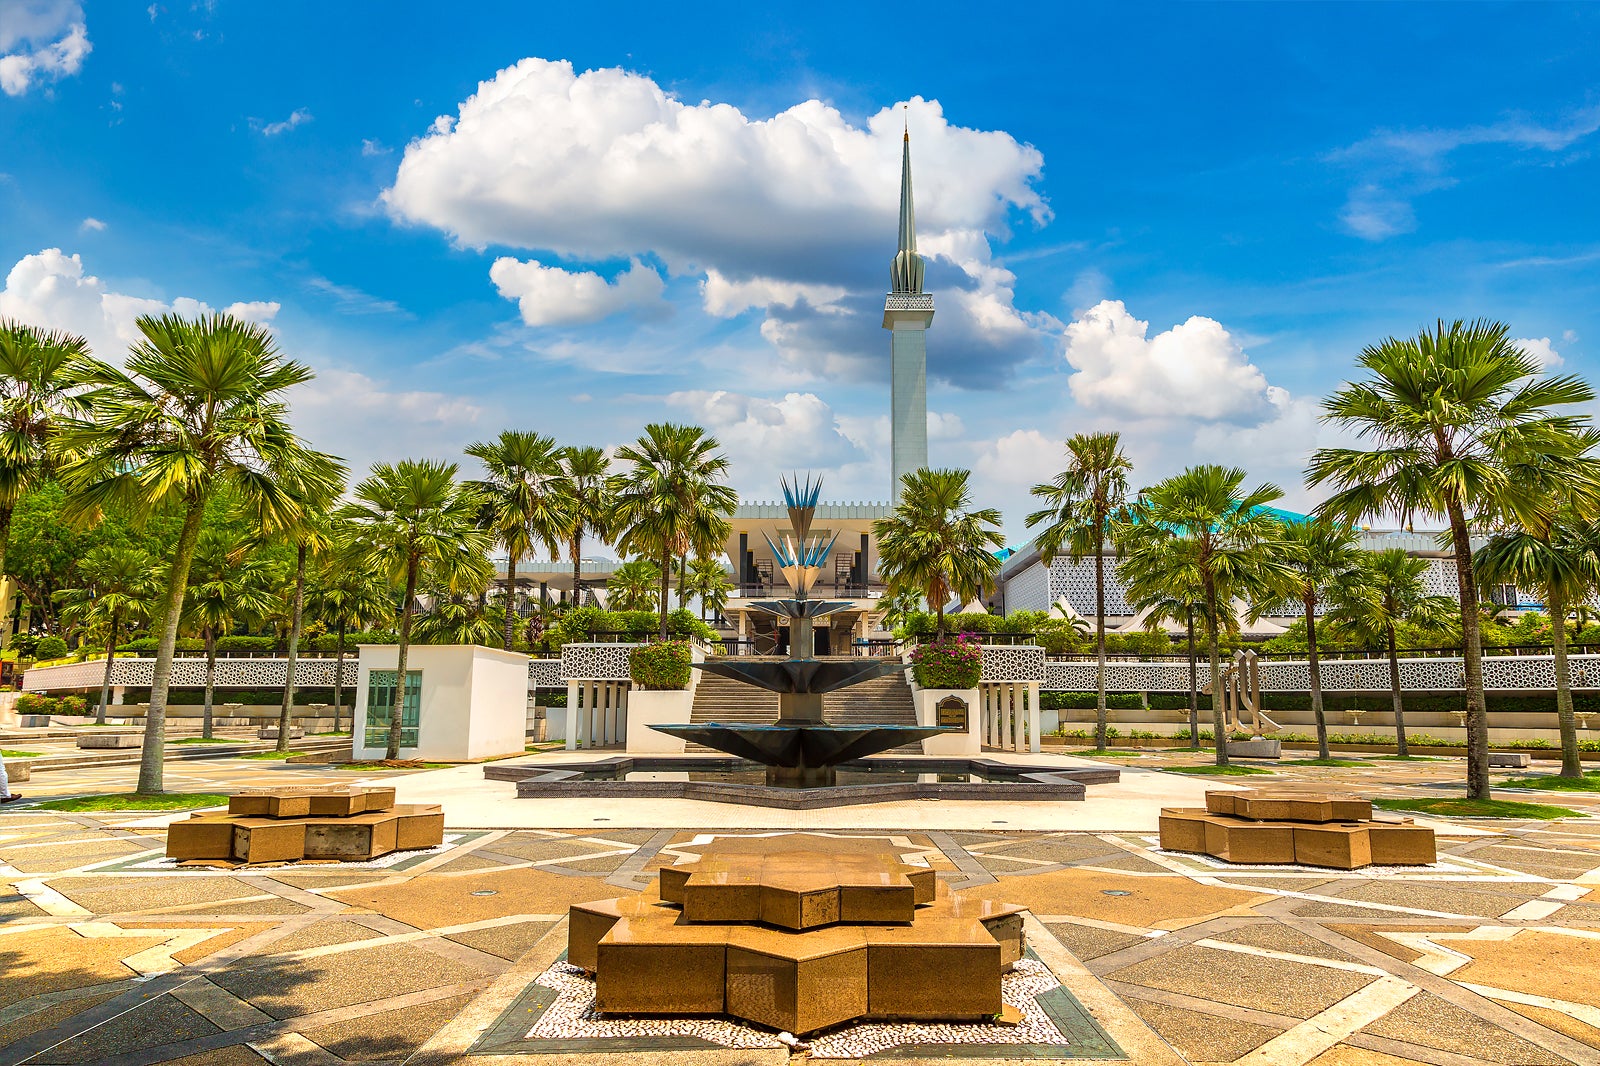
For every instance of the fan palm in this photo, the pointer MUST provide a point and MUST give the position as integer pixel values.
(199, 409)
(120, 585)
(1447, 413)
(311, 536)
(1083, 500)
(229, 582)
(1159, 577)
(583, 504)
(634, 586)
(341, 593)
(934, 544)
(672, 499)
(414, 522)
(1385, 591)
(456, 616)
(524, 489)
(708, 581)
(1236, 551)
(39, 370)
(1320, 552)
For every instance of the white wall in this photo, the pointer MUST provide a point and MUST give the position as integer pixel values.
(474, 701)
(968, 743)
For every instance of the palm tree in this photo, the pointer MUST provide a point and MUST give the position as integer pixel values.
(934, 544)
(199, 409)
(456, 616)
(524, 490)
(1384, 592)
(413, 521)
(1159, 576)
(634, 586)
(1320, 551)
(1558, 556)
(1237, 550)
(229, 582)
(1082, 502)
(310, 535)
(584, 504)
(672, 499)
(708, 581)
(120, 584)
(341, 594)
(38, 375)
(1445, 412)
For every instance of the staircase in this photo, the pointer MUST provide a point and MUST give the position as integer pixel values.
(881, 701)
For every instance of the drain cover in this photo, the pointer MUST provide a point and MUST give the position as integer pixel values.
(495, 892)
(1114, 892)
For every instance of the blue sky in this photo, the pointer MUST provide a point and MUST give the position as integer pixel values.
(1180, 221)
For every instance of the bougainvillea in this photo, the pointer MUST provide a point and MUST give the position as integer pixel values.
(954, 663)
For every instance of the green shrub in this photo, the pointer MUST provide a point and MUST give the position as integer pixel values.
(660, 666)
(50, 648)
(76, 705)
(33, 703)
(956, 662)
(24, 644)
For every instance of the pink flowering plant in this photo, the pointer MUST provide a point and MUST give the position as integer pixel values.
(952, 663)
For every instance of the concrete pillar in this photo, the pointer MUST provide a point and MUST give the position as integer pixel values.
(1033, 716)
(572, 710)
(622, 712)
(117, 693)
(1017, 741)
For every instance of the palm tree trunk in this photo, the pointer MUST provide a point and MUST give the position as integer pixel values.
(398, 710)
(683, 579)
(338, 677)
(1471, 657)
(1315, 667)
(577, 566)
(155, 719)
(510, 635)
(211, 683)
(294, 647)
(1219, 729)
(1099, 638)
(666, 589)
(1194, 685)
(5, 535)
(105, 683)
(1398, 700)
(1571, 762)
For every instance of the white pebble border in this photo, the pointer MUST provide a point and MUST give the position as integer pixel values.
(1374, 872)
(572, 1016)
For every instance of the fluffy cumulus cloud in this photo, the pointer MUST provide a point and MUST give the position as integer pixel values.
(792, 215)
(799, 424)
(365, 420)
(1541, 351)
(551, 296)
(40, 41)
(51, 289)
(1194, 370)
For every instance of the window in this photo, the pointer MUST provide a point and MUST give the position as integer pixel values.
(380, 703)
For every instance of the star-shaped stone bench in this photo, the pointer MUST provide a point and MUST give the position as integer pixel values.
(1260, 827)
(329, 823)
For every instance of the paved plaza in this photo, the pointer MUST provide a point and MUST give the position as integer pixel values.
(112, 955)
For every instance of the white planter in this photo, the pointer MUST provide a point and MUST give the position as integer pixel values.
(967, 743)
(647, 708)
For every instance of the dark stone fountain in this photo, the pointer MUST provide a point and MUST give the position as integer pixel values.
(800, 750)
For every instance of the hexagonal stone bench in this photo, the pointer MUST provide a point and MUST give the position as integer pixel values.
(292, 824)
(1263, 828)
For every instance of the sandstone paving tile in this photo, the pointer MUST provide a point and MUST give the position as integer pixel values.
(1539, 963)
(1475, 899)
(163, 1020)
(999, 864)
(621, 836)
(107, 894)
(290, 987)
(1277, 986)
(431, 901)
(1281, 884)
(1150, 902)
(55, 958)
(471, 861)
(1317, 909)
(13, 907)
(275, 905)
(605, 864)
(1348, 1055)
(51, 859)
(300, 877)
(1432, 1022)
(1201, 1037)
(237, 1055)
(539, 848)
(510, 942)
(1088, 942)
(51, 1016)
(325, 933)
(1537, 861)
(1055, 850)
(1372, 936)
(392, 1034)
(1561, 1023)
(1276, 937)
(234, 933)
(1131, 863)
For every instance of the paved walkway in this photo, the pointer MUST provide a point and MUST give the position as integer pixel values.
(109, 957)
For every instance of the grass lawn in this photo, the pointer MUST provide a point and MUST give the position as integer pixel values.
(203, 740)
(270, 754)
(9, 754)
(133, 801)
(1589, 782)
(1406, 758)
(1324, 762)
(1465, 808)
(1109, 753)
(1231, 770)
(400, 764)
(331, 733)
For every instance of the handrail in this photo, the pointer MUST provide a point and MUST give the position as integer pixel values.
(1333, 654)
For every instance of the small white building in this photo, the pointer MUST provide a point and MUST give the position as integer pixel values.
(463, 702)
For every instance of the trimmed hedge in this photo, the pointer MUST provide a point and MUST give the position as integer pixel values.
(259, 697)
(660, 666)
(955, 663)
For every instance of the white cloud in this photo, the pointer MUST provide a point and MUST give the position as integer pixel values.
(50, 289)
(1020, 459)
(91, 225)
(794, 214)
(1193, 370)
(40, 40)
(551, 296)
(1375, 213)
(363, 420)
(771, 433)
(372, 147)
(1541, 351)
(298, 117)
(353, 301)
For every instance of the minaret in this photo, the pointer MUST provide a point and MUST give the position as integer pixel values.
(907, 312)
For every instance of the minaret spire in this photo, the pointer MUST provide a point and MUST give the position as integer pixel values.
(905, 274)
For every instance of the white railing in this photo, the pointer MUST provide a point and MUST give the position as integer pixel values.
(1500, 673)
(135, 672)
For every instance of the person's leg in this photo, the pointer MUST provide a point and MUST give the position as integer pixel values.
(5, 785)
